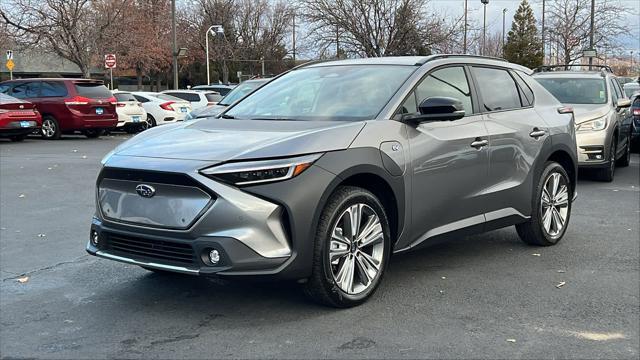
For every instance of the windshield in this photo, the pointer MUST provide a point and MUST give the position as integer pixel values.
(239, 91)
(576, 90)
(92, 90)
(353, 92)
(120, 97)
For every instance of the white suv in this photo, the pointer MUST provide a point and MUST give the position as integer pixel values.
(197, 98)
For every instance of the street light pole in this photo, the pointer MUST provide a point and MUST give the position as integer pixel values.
(464, 42)
(206, 41)
(504, 13)
(593, 10)
(484, 27)
(175, 46)
(543, 29)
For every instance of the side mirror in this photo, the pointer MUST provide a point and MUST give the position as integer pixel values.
(438, 109)
(623, 103)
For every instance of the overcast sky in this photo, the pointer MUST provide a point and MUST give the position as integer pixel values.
(494, 15)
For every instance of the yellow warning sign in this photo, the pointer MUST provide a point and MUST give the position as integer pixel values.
(10, 65)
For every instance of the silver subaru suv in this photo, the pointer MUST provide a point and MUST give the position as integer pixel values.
(325, 172)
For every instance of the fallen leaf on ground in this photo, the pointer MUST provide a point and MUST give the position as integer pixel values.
(441, 292)
(49, 168)
(536, 254)
(561, 271)
(511, 340)
(84, 156)
(75, 150)
(560, 284)
(444, 277)
(23, 279)
(42, 235)
(21, 195)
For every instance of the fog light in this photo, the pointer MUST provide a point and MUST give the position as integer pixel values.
(95, 238)
(214, 256)
(599, 157)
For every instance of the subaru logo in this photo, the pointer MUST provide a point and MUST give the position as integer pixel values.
(145, 190)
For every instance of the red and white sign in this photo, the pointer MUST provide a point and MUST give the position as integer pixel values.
(110, 61)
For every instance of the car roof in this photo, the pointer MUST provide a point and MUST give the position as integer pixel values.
(570, 74)
(56, 79)
(192, 91)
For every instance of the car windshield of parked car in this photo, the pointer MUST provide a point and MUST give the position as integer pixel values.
(576, 90)
(338, 92)
(237, 93)
(121, 97)
(631, 90)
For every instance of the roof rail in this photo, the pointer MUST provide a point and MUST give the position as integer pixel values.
(445, 56)
(567, 67)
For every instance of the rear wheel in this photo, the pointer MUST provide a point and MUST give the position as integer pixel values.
(352, 247)
(50, 129)
(551, 208)
(151, 121)
(626, 158)
(606, 174)
(92, 133)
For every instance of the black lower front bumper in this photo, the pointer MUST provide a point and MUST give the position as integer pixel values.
(181, 255)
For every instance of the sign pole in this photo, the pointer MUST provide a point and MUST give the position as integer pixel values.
(10, 74)
(111, 75)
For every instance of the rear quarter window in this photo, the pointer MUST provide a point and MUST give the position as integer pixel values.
(213, 97)
(124, 97)
(53, 89)
(92, 90)
(186, 96)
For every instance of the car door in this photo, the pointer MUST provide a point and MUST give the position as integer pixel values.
(623, 116)
(449, 160)
(516, 137)
(52, 96)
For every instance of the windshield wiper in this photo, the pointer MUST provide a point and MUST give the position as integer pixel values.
(225, 116)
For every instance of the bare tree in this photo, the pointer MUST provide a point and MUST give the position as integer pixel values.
(569, 25)
(378, 27)
(72, 29)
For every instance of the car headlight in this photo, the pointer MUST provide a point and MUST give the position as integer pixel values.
(262, 171)
(593, 125)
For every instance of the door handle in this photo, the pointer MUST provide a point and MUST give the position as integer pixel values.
(536, 133)
(479, 143)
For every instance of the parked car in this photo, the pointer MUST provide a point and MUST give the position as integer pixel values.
(328, 169)
(162, 108)
(222, 89)
(635, 112)
(236, 94)
(18, 118)
(603, 123)
(132, 117)
(197, 98)
(67, 105)
(631, 88)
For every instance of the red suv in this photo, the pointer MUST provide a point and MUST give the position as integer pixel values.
(67, 105)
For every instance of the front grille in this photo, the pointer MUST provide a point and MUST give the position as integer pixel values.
(151, 249)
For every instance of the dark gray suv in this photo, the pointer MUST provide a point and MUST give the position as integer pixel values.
(326, 171)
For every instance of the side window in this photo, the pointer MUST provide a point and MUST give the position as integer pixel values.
(53, 89)
(4, 88)
(448, 82)
(615, 92)
(25, 90)
(141, 99)
(526, 94)
(619, 89)
(497, 88)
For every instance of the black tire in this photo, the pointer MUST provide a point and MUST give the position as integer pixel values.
(533, 232)
(321, 286)
(92, 133)
(151, 121)
(626, 158)
(50, 129)
(607, 173)
(18, 138)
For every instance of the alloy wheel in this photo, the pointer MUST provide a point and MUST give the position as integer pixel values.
(48, 128)
(555, 204)
(356, 249)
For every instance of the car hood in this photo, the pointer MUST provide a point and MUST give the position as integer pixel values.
(225, 139)
(586, 112)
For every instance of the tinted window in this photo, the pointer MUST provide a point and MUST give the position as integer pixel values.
(526, 94)
(124, 97)
(447, 82)
(168, 97)
(140, 98)
(222, 90)
(26, 90)
(53, 89)
(186, 96)
(4, 88)
(346, 92)
(93, 90)
(497, 89)
(615, 93)
(576, 90)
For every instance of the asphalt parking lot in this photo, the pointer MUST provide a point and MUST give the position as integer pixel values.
(487, 296)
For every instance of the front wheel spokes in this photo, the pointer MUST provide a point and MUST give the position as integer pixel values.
(562, 197)
(344, 277)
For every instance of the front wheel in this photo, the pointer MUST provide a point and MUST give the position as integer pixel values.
(352, 248)
(625, 160)
(551, 208)
(607, 173)
(50, 129)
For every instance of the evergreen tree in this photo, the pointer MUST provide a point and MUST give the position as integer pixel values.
(523, 45)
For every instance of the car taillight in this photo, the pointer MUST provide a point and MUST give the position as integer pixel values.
(139, 104)
(121, 104)
(167, 105)
(636, 112)
(77, 100)
(112, 100)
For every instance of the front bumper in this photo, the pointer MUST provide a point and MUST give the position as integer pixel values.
(593, 149)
